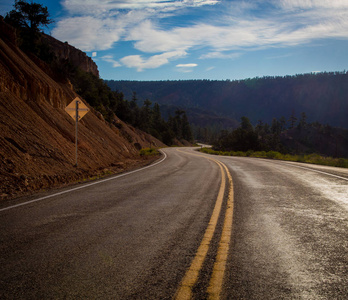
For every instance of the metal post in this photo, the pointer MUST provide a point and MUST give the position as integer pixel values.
(77, 121)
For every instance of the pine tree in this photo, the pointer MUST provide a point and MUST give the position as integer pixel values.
(28, 16)
(186, 129)
(303, 121)
(292, 120)
(245, 124)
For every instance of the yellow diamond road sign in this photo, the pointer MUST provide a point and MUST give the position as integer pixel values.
(82, 109)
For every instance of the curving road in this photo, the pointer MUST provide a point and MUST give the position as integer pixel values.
(192, 225)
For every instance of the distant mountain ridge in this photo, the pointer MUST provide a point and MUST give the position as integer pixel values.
(322, 96)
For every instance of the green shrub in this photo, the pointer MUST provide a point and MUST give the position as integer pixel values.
(273, 154)
(249, 153)
(260, 154)
(299, 158)
(310, 158)
(342, 162)
(148, 152)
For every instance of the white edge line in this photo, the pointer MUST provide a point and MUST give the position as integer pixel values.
(85, 185)
(295, 166)
(317, 171)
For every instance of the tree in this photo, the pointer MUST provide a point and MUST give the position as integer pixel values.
(135, 109)
(157, 124)
(28, 15)
(133, 103)
(303, 121)
(28, 18)
(292, 120)
(145, 116)
(259, 127)
(186, 128)
(243, 138)
(156, 116)
(276, 127)
(245, 124)
(282, 123)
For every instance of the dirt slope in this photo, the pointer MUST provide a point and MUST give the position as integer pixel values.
(37, 136)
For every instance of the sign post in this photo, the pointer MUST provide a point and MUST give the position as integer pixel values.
(76, 109)
(76, 129)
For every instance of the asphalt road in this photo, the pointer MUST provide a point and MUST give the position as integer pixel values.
(191, 225)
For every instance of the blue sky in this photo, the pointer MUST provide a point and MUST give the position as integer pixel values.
(203, 39)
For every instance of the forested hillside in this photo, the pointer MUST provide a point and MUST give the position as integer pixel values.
(302, 139)
(323, 97)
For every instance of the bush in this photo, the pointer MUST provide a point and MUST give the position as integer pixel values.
(310, 158)
(249, 153)
(262, 154)
(342, 162)
(273, 154)
(149, 152)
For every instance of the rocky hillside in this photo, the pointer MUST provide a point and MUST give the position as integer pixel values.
(37, 136)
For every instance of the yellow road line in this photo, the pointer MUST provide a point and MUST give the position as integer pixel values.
(216, 281)
(191, 276)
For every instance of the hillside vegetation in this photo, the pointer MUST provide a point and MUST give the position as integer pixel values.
(301, 139)
(37, 136)
(67, 63)
(145, 115)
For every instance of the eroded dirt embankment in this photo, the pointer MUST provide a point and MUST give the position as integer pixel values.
(37, 136)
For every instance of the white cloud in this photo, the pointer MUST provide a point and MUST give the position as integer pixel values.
(221, 38)
(98, 24)
(186, 68)
(88, 33)
(221, 55)
(138, 62)
(148, 38)
(110, 59)
(311, 4)
(234, 27)
(94, 7)
(186, 65)
(277, 27)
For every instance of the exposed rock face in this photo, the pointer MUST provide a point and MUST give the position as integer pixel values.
(64, 51)
(21, 77)
(37, 136)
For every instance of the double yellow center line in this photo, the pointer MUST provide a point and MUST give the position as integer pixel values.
(216, 280)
